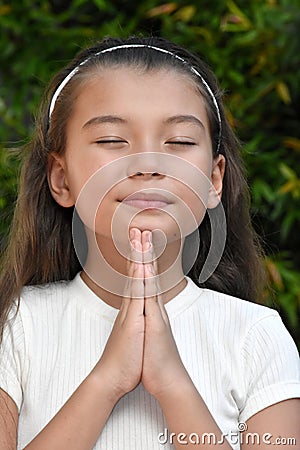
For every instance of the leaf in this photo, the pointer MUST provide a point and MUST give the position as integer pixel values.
(101, 4)
(261, 190)
(206, 33)
(292, 186)
(237, 20)
(293, 143)
(290, 219)
(283, 92)
(166, 8)
(274, 273)
(5, 9)
(185, 13)
(287, 172)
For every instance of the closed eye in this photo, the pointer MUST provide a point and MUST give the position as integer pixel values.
(110, 141)
(181, 143)
(112, 144)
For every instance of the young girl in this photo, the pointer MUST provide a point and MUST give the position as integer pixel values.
(128, 286)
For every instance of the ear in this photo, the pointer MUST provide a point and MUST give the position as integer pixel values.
(217, 175)
(58, 182)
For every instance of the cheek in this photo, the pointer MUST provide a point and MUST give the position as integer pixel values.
(82, 165)
(77, 174)
(189, 212)
(193, 192)
(90, 183)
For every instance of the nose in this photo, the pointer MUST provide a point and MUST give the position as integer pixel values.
(145, 175)
(146, 165)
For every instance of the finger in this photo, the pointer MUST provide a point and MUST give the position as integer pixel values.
(126, 299)
(153, 293)
(134, 254)
(137, 275)
(133, 300)
(146, 237)
(136, 251)
(162, 307)
(151, 301)
(135, 234)
(130, 267)
(136, 304)
(147, 246)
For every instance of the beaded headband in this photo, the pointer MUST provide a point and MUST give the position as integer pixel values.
(162, 50)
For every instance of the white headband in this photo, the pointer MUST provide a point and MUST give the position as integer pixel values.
(162, 50)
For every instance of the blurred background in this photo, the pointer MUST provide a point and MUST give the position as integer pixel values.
(254, 49)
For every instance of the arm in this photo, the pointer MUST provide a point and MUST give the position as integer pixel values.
(81, 412)
(166, 378)
(277, 425)
(189, 418)
(8, 422)
(80, 421)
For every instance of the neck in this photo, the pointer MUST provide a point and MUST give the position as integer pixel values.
(105, 270)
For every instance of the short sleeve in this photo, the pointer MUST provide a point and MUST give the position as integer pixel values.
(12, 354)
(271, 366)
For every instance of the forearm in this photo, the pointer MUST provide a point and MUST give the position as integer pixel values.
(80, 421)
(189, 419)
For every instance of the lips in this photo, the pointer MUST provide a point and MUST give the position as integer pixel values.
(146, 200)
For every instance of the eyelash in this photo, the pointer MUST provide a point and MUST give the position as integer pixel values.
(181, 143)
(110, 141)
(115, 141)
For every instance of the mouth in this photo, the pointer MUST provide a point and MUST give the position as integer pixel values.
(146, 201)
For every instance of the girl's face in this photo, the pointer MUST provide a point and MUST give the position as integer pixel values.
(138, 154)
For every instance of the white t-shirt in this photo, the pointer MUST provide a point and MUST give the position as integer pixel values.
(239, 355)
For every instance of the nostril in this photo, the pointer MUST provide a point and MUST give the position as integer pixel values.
(146, 174)
(154, 174)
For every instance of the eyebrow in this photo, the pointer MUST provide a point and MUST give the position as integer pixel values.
(185, 119)
(104, 119)
(119, 120)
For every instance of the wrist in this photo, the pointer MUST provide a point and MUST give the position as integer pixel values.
(177, 391)
(104, 386)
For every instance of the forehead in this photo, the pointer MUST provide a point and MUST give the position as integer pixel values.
(133, 91)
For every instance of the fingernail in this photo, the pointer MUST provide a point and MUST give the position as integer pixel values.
(131, 234)
(149, 268)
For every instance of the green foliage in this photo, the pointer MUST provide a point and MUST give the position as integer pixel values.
(254, 49)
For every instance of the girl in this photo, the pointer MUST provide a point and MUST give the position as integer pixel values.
(107, 343)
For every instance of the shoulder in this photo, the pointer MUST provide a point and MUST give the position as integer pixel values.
(65, 300)
(242, 326)
(49, 290)
(230, 310)
(41, 304)
(34, 303)
(54, 294)
(254, 345)
(262, 346)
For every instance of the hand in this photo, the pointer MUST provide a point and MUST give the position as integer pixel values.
(121, 361)
(163, 369)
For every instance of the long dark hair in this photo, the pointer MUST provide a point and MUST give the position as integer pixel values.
(40, 248)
